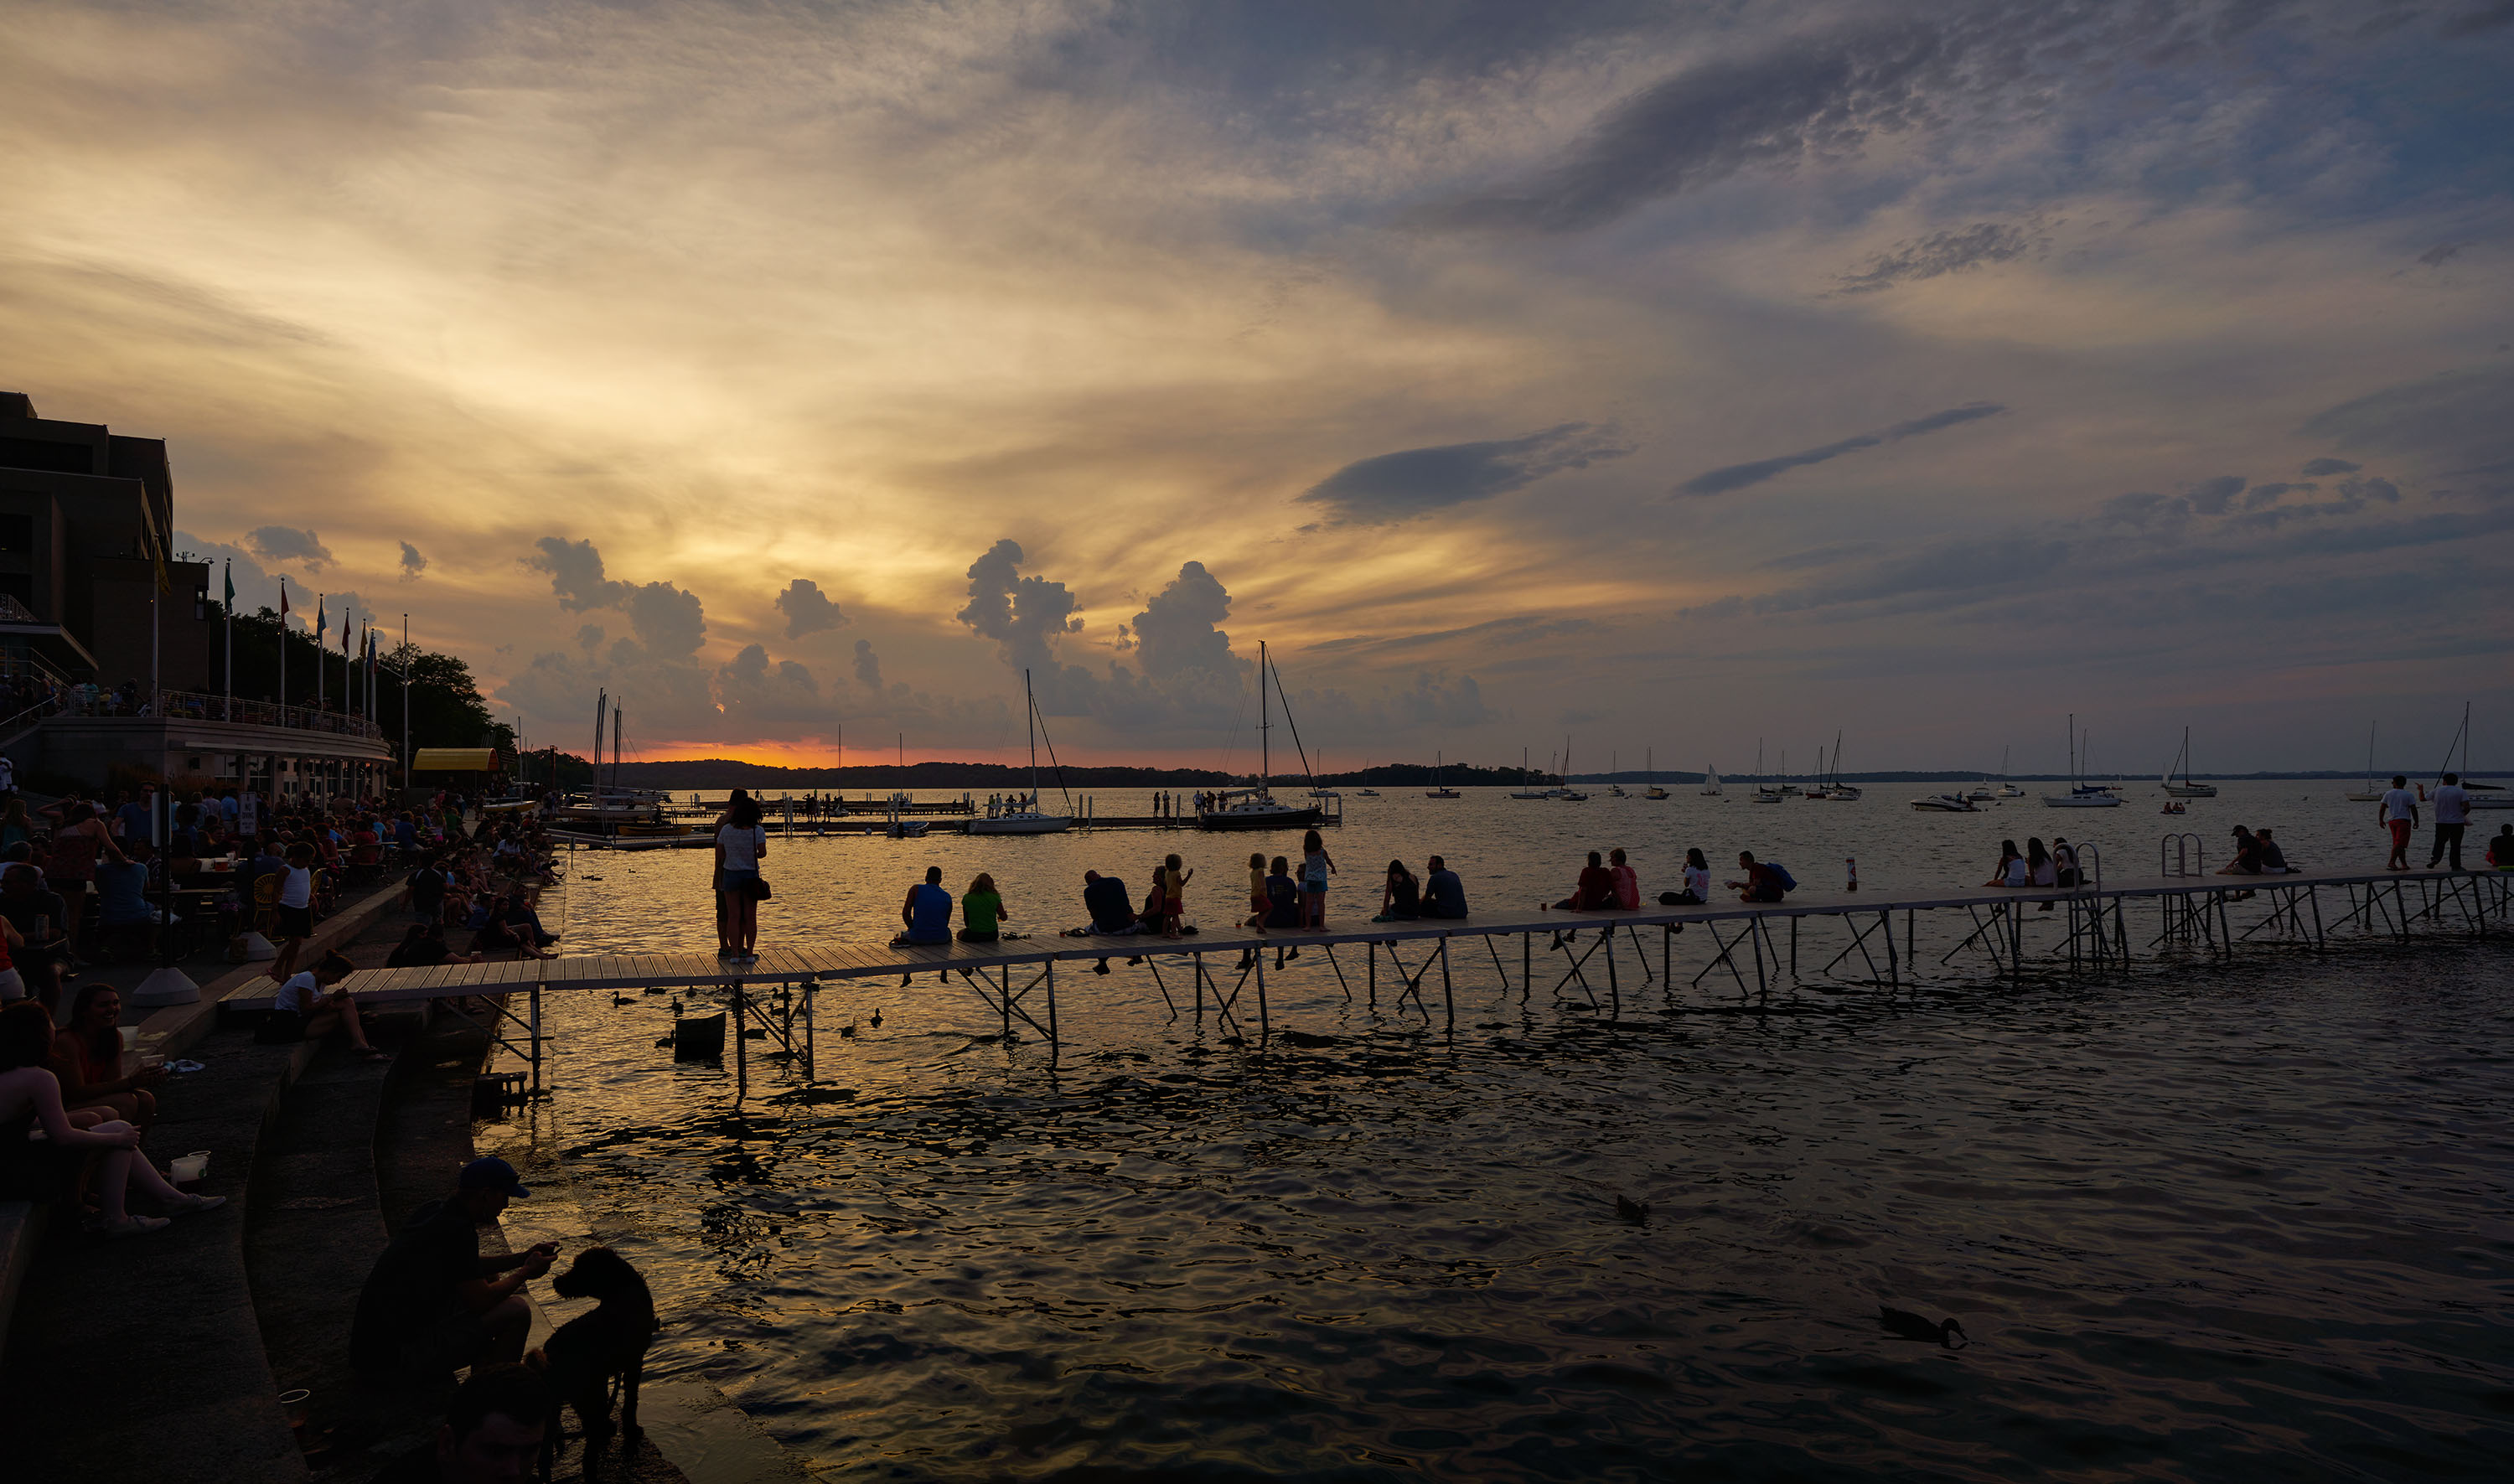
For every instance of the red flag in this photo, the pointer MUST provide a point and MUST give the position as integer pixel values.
(283, 597)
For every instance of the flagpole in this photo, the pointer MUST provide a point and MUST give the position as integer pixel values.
(321, 622)
(283, 659)
(231, 584)
(405, 707)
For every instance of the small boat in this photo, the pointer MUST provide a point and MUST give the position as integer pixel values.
(1366, 793)
(1439, 765)
(1026, 820)
(2476, 794)
(1650, 766)
(1524, 791)
(1614, 765)
(2186, 789)
(1566, 793)
(2081, 794)
(1711, 788)
(2370, 795)
(1257, 807)
(1831, 786)
(1947, 803)
(2174, 806)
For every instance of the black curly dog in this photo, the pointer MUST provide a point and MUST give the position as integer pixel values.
(587, 1353)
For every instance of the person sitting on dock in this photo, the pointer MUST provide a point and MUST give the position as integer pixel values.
(1444, 897)
(501, 933)
(1113, 914)
(2009, 871)
(982, 907)
(423, 946)
(1697, 884)
(2248, 854)
(926, 913)
(2273, 858)
(2041, 870)
(1256, 891)
(1627, 885)
(2500, 847)
(1401, 899)
(433, 1302)
(311, 1005)
(1760, 883)
(1595, 892)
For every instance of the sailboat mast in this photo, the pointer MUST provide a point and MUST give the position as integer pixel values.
(1265, 726)
(1030, 718)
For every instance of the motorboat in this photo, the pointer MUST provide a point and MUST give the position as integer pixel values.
(2186, 789)
(1947, 803)
(1017, 817)
(1256, 807)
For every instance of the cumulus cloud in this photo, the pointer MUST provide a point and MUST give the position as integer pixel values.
(287, 543)
(807, 610)
(1390, 486)
(758, 696)
(1024, 614)
(2211, 497)
(576, 576)
(868, 664)
(1738, 476)
(412, 563)
(1954, 251)
(1180, 627)
(2316, 468)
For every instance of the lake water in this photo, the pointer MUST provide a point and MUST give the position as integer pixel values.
(2201, 1221)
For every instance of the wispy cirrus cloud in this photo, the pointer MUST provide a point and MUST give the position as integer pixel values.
(1392, 487)
(1730, 478)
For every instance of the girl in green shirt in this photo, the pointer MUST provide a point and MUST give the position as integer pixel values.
(982, 908)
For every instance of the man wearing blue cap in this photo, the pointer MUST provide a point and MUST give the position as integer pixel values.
(433, 1302)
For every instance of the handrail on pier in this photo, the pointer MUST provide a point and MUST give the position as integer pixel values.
(2181, 855)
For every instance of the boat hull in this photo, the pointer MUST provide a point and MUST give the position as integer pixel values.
(1260, 819)
(1021, 825)
(2084, 801)
(2191, 790)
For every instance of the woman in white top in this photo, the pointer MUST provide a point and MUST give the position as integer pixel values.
(740, 846)
(311, 1002)
(2041, 869)
(2011, 871)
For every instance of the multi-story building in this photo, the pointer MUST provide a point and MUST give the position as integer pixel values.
(87, 570)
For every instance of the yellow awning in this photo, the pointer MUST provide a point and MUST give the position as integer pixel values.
(456, 760)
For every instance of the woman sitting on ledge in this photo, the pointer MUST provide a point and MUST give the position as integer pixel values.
(87, 1058)
(30, 1099)
(309, 1005)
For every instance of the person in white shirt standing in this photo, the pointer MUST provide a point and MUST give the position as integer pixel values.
(2452, 812)
(740, 843)
(2399, 812)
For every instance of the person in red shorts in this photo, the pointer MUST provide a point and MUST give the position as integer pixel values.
(2399, 812)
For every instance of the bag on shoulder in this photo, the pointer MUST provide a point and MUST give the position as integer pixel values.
(757, 888)
(1781, 874)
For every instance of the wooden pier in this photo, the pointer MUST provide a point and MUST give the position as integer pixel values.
(1598, 956)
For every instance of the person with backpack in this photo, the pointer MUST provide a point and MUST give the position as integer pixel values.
(1764, 882)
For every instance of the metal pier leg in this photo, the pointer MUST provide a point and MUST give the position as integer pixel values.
(811, 1061)
(1264, 1026)
(2015, 942)
(1755, 931)
(1499, 972)
(1667, 954)
(1328, 949)
(741, 1058)
(1448, 995)
(1007, 971)
(1372, 953)
(1894, 964)
(1614, 992)
(536, 1038)
(1052, 1042)
(1200, 986)
(1911, 926)
(1526, 963)
(1793, 950)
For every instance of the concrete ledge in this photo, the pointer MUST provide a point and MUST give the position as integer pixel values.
(22, 1226)
(169, 1031)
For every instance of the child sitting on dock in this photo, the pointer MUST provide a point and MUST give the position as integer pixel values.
(1283, 896)
(1256, 891)
(1401, 899)
(2500, 847)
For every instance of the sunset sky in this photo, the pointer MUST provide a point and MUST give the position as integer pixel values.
(1660, 376)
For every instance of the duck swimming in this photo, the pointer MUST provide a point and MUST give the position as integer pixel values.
(1906, 1325)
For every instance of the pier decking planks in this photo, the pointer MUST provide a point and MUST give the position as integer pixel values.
(843, 961)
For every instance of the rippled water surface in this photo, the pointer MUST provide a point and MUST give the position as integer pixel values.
(2201, 1223)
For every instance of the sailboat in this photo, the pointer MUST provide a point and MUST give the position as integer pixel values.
(1764, 792)
(1439, 789)
(1257, 807)
(1711, 788)
(1614, 765)
(2371, 794)
(2478, 796)
(1320, 790)
(2007, 789)
(1832, 787)
(1565, 791)
(1365, 792)
(1522, 791)
(2081, 794)
(2186, 789)
(1029, 820)
(1650, 765)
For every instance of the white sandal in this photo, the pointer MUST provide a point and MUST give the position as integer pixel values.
(189, 1203)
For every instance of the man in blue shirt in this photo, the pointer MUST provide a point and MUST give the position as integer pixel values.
(134, 816)
(927, 911)
(1443, 895)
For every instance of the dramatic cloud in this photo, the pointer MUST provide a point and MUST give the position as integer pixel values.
(412, 563)
(1180, 628)
(1738, 476)
(1940, 254)
(868, 664)
(807, 610)
(1395, 486)
(576, 577)
(1024, 614)
(283, 543)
